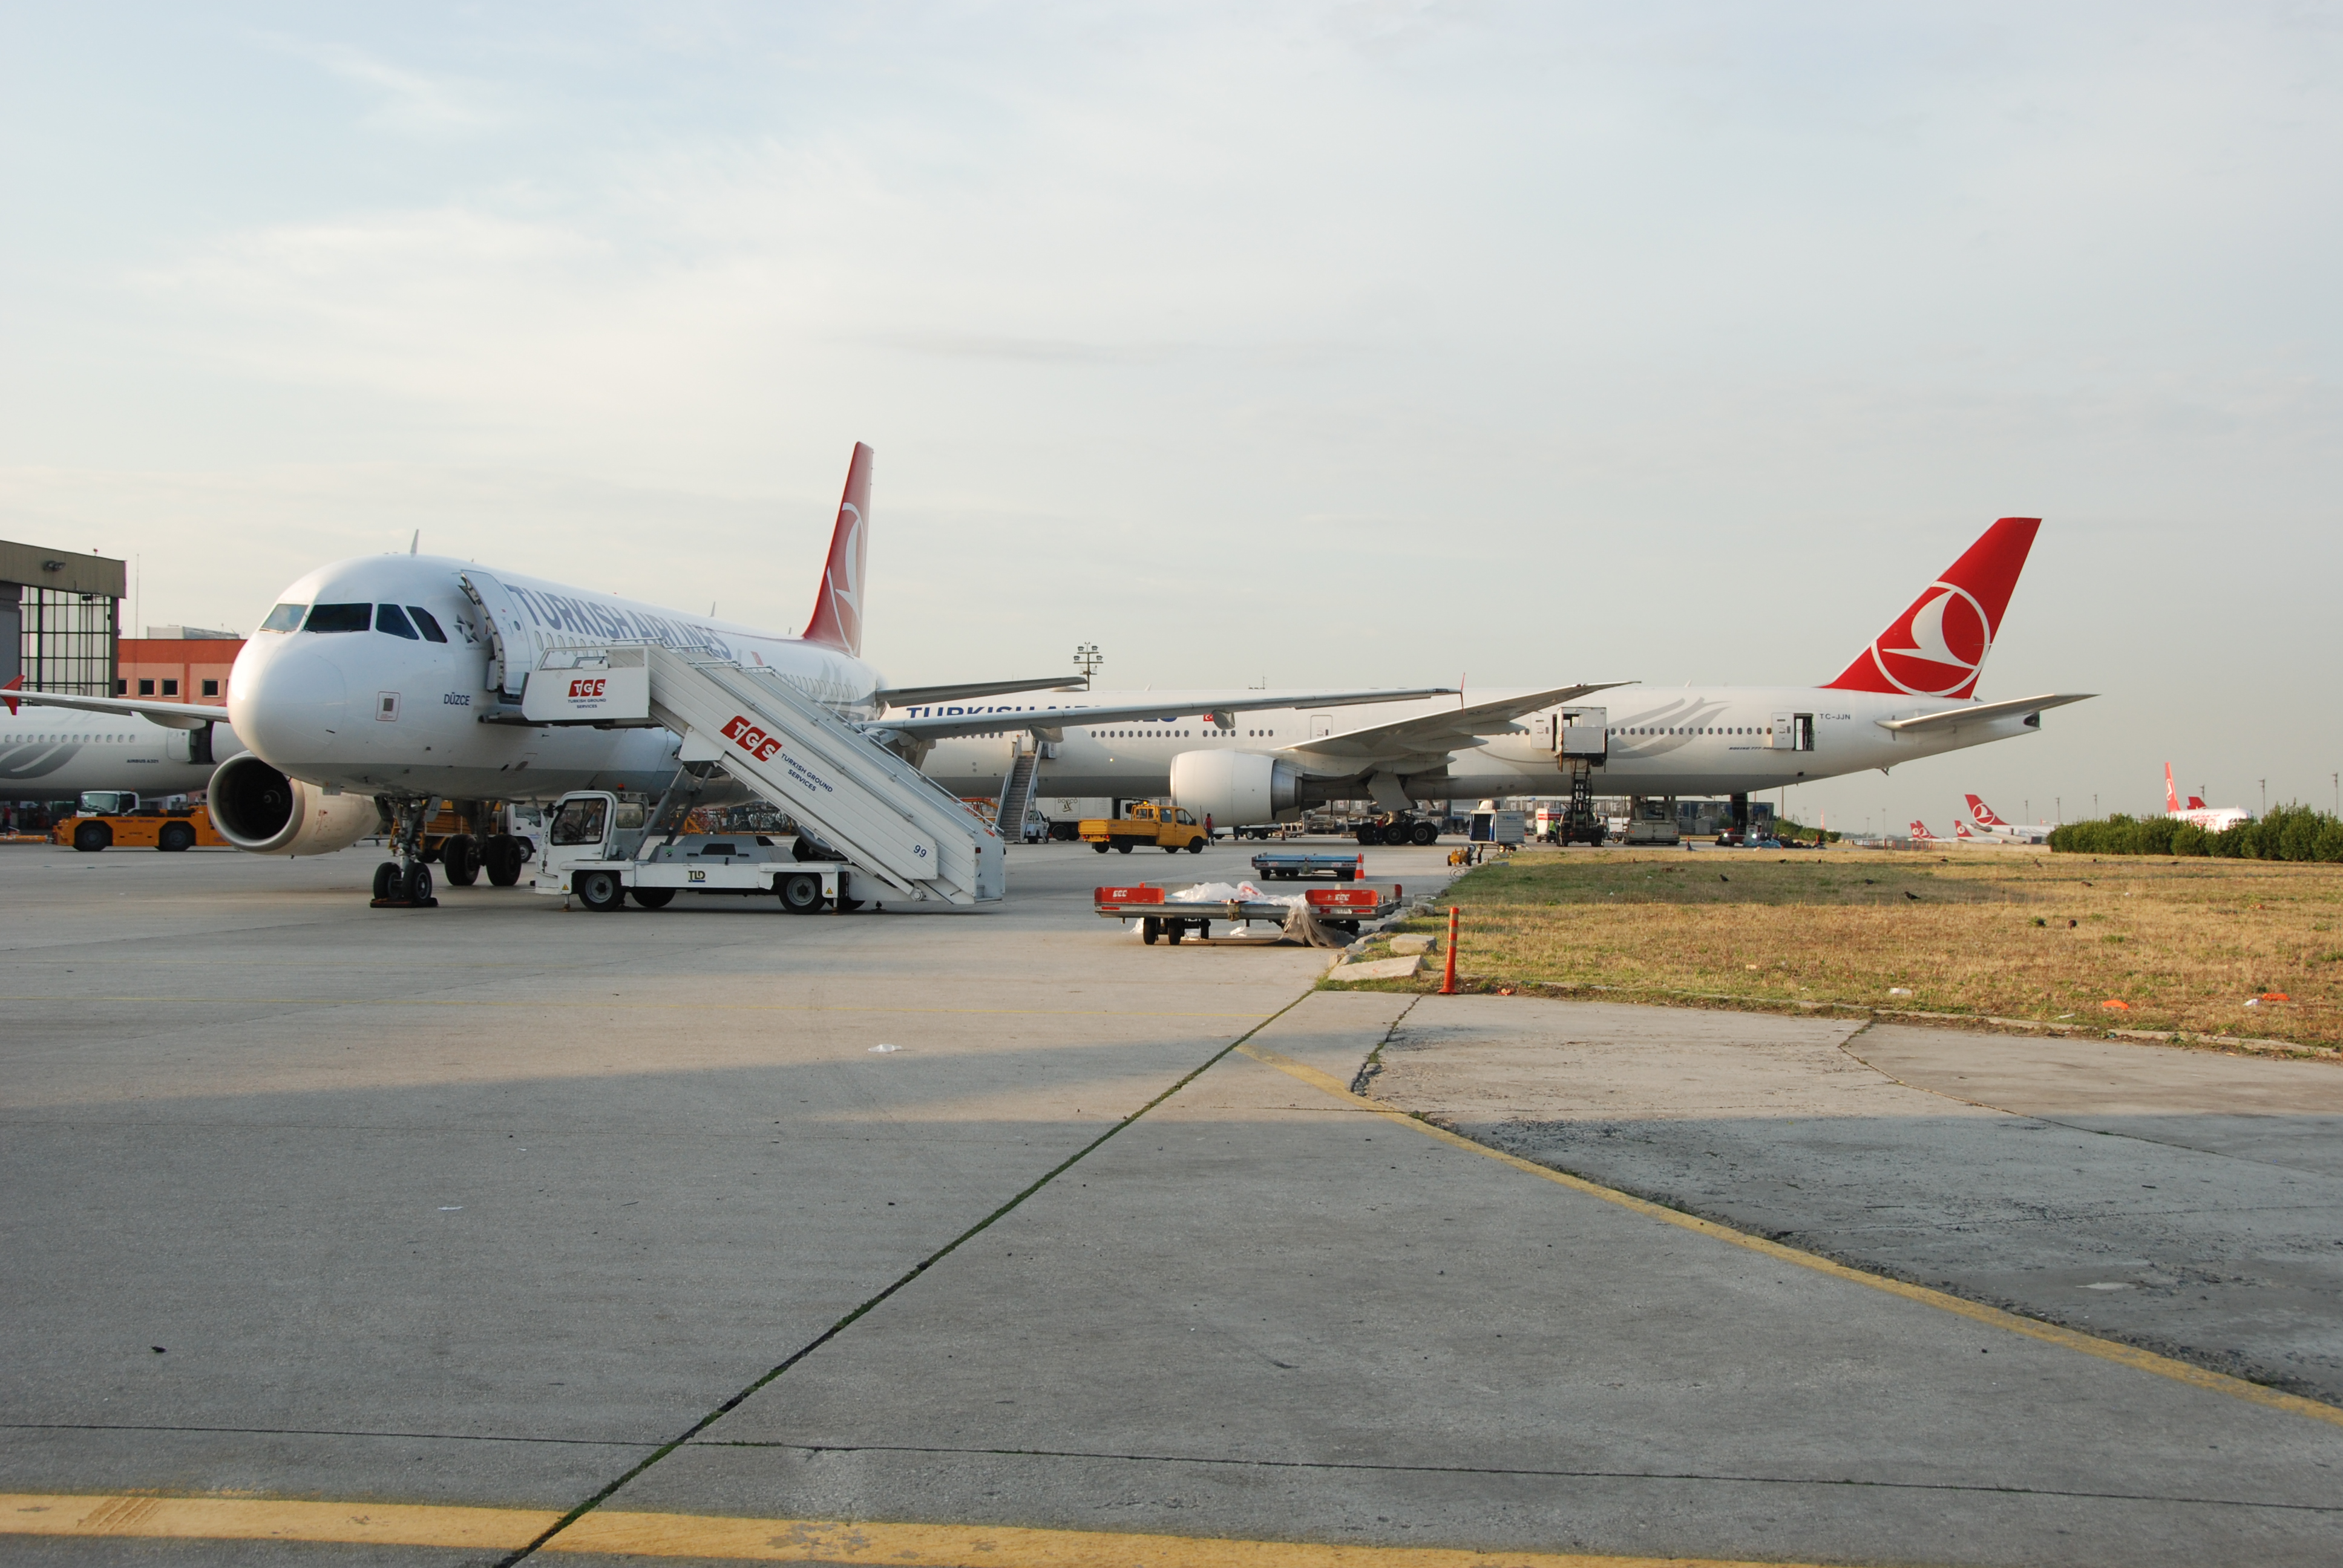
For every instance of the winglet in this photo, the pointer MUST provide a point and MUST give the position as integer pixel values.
(837, 619)
(1938, 645)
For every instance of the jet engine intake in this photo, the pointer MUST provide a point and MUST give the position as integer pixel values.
(1236, 788)
(256, 807)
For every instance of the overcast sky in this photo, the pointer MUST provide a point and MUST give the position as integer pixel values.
(1371, 343)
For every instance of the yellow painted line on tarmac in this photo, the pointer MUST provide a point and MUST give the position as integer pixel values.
(621, 1006)
(728, 1538)
(1993, 1317)
(269, 1518)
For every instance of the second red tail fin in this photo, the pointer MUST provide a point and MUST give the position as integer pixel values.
(1935, 648)
(837, 619)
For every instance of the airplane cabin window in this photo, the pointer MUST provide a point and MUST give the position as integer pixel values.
(339, 618)
(426, 624)
(285, 618)
(389, 617)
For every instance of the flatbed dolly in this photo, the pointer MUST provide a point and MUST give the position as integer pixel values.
(1287, 865)
(1161, 915)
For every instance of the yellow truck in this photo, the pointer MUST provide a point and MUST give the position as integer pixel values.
(1168, 828)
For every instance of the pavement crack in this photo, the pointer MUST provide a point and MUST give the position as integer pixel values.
(915, 1272)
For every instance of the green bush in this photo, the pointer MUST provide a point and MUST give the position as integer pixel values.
(2287, 833)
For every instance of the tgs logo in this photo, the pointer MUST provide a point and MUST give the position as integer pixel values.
(584, 688)
(751, 739)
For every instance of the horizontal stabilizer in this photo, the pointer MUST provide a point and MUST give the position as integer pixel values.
(1951, 719)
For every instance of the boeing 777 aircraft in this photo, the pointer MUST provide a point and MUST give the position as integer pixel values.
(52, 754)
(1910, 693)
(390, 682)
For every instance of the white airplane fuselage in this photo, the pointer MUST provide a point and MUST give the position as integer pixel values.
(1687, 740)
(56, 753)
(368, 711)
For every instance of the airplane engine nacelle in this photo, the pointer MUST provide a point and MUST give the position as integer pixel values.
(1235, 787)
(256, 807)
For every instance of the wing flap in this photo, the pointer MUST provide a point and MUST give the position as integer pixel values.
(1453, 730)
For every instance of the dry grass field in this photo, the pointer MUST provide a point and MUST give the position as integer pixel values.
(2182, 944)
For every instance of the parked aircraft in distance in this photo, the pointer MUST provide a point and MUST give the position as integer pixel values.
(390, 682)
(1909, 694)
(1993, 826)
(1920, 834)
(2212, 819)
(54, 754)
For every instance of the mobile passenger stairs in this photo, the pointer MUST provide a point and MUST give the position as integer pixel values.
(885, 830)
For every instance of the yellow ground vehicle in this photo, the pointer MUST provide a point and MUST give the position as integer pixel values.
(1168, 828)
(110, 818)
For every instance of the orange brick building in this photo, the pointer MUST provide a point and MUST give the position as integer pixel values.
(174, 668)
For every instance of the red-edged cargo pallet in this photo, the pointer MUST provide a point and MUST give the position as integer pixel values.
(1159, 914)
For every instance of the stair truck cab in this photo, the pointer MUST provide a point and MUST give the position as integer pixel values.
(600, 848)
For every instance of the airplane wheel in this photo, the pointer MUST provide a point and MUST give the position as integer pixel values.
(600, 892)
(459, 858)
(1148, 930)
(1369, 835)
(800, 893)
(1425, 833)
(503, 857)
(418, 884)
(175, 837)
(91, 837)
(387, 879)
(652, 898)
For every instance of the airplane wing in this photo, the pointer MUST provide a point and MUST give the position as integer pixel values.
(1220, 706)
(922, 696)
(170, 715)
(1451, 729)
(1980, 713)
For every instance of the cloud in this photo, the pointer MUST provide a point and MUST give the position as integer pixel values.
(409, 103)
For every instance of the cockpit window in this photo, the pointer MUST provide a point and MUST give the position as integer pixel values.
(426, 624)
(285, 618)
(389, 617)
(339, 618)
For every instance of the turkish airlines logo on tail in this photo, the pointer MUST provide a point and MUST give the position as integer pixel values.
(1936, 646)
(1982, 812)
(837, 619)
(1935, 649)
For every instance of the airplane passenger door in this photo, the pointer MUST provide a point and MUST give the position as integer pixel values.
(1792, 732)
(513, 643)
(1321, 725)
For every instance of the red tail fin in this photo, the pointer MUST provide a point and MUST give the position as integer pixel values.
(16, 683)
(1982, 813)
(1936, 646)
(1920, 830)
(837, 619)
(1961, 830)
(2171, 796)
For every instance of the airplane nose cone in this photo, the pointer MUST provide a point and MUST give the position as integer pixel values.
(288, 707)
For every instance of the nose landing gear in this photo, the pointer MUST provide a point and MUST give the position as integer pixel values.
(405, 883)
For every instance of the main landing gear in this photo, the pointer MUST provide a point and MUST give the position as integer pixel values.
(405, 883)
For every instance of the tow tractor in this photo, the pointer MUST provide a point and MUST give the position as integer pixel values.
(605, 851)
(109, 818)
